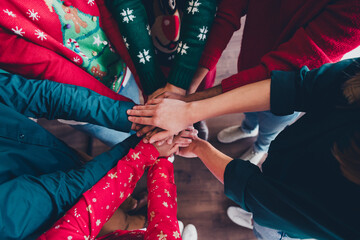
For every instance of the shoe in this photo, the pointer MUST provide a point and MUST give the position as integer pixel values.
(240, 217)
(189, 233)
(181, 227)
(253, 156)
(231, 134)
(203, 130)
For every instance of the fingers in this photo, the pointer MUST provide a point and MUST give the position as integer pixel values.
(160, 136)
(140, 113)
(144, 107)
(141, 120)
(154, 101)
(144, 130)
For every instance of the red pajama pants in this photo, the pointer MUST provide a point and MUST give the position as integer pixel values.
(85, 219)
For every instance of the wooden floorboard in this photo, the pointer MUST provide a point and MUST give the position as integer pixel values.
(201, 199)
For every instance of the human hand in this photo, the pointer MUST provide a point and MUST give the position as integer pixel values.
(168, 88)
(197, 79)
(190, 151)
(168, 114)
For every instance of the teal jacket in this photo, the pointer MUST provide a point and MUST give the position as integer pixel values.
(40, 176)
(301, 189)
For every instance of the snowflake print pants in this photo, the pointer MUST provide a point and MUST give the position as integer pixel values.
(86, 218)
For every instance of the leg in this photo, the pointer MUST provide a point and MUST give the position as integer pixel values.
(269, 127)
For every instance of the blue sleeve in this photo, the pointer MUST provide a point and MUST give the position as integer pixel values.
(52, 100)
(31, 204)
(315, 90)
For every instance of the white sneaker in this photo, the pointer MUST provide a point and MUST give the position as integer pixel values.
(253, 156)
(231, 134)
(240, 217)
(181, 226)
(189, 233)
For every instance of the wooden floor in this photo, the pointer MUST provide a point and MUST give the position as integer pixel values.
(201, 199)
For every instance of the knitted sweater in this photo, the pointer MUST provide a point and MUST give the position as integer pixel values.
(37, 43)
(283, 35)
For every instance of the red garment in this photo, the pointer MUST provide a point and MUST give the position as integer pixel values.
(39, 58)
(283, 35)
(86, 218)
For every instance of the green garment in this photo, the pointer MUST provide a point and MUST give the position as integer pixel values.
(40, 176)
(301, 189)
(196, 22)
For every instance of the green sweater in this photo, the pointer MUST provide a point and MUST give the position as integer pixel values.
(301, 189)
(40, 176)
(133, 23)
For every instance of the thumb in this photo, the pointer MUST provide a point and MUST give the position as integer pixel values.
(160, 136)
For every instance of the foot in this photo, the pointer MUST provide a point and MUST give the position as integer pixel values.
(234, 133)
(240, 217)
(203, 131)
(252, 155)
(189, 233)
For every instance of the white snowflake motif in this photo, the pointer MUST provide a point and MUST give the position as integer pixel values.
(10, 13)
(107, 207)
(91, 2)
(57, 227)
(18, 31)
(148, 29)
(126, 43)
(76, 59)
(86, 237)
(162, 236)
(88, 208)
(97, 40)
(193, 7)
(167, 193)
(176, 235)
(107, 186)
(165, 204)
(40, 34)
(69, 237)
(202, 34)
(98, 222)
(135, 155)
(112, 175)
(121, 194)
(131, 176)
(144, 57)
(33, 15)
(182, 48)
(127, 15)
(94, 199)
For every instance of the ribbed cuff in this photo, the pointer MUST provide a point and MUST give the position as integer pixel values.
(181, 76)
(151, 82)
(242, 78)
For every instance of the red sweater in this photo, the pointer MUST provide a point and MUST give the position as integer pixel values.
(34, 57)
(283, 35)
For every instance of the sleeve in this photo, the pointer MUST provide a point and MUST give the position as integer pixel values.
(133, 24)
(86, 218)
(196, 22)
(162, 202)
(33, 203)
(53, 100)
(315, 90)
(226, 22)
(324, 39)
(33, 61)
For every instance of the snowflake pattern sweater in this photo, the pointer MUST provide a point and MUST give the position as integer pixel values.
(283, 35)
(132, 18)
(85, 219)
(71, 42)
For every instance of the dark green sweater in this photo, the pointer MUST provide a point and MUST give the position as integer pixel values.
(301, 190)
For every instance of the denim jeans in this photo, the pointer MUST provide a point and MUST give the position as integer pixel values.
(109, 136)
(269, 126)
(265, 233)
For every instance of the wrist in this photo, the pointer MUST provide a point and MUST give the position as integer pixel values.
(172, 88)
(200, 147)
(193, 111)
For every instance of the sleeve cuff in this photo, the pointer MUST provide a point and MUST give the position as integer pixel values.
(236, 176)
(147, 149)
(242, 78)
(283, 92)
(181, 76)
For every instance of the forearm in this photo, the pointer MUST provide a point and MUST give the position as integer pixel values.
(213, 159)
(250, 98)
(208, 93)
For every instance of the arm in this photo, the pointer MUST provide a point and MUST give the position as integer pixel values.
(46, 64)
(302, 91)
(52, 100)
(195, 25)
(312, 45)
(49, 196)
(162, 210)
(86, 218)
(133, 23)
